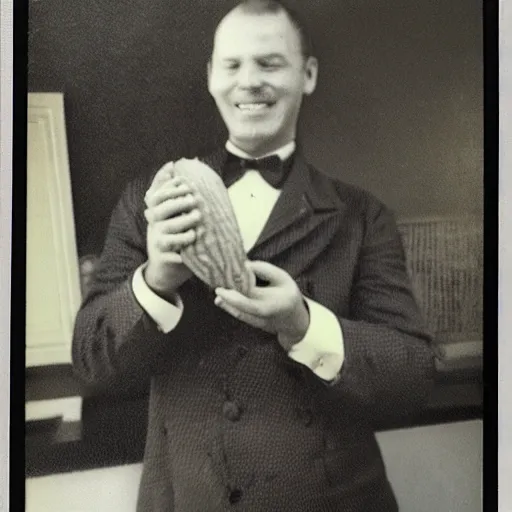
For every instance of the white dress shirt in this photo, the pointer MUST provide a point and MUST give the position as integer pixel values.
(253, 199)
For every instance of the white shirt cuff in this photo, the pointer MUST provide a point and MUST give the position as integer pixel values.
(165, 315)
(322, 348)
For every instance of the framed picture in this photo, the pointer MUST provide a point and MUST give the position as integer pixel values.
(53, 282)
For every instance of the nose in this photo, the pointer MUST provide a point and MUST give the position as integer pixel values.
(249, 77)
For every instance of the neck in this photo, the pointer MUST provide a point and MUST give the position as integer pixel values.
(259, 150)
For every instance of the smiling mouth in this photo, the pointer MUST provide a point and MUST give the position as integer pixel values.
(254, 107)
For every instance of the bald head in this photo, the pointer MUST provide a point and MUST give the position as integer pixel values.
(271, 7)
(258, 75)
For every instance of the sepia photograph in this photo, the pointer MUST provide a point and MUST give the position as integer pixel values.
(254, 256)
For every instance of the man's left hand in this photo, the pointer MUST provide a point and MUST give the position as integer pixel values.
(278, 307)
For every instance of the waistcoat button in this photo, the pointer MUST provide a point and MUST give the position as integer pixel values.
(235, 496)
(231, 410)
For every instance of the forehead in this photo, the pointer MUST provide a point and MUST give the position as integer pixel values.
(244, 34)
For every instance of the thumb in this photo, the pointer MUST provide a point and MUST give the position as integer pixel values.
(267, 271)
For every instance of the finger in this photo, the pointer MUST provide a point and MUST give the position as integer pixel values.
(181, 223)
(268, 272)
(172, 257)
(175, 242)
(245, 304)
(172, 208)
(170, 190)
(240, 315)
(252, 281)
(200, 231)
(164, 173)
(162, 176)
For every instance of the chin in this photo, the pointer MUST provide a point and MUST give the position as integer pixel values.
(255, 143)
(255, 138)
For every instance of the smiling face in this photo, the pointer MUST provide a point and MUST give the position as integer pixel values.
(258, 77)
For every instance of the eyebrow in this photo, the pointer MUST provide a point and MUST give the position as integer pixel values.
(270, 56)
(267, 56)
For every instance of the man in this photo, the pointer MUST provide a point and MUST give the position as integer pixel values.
(265, 402)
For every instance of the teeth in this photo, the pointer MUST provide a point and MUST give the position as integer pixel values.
(252, 106)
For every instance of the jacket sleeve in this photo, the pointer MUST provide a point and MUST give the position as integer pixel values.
(389, 364)
(114, 339)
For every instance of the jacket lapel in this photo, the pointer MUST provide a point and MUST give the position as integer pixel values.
(307, 202)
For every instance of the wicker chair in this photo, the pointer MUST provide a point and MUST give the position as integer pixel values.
(445, 261)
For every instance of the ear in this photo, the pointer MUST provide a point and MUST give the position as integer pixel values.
(310, 75)
(209, 73)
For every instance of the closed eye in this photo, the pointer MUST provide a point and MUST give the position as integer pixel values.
(270, 64)
(232, 65)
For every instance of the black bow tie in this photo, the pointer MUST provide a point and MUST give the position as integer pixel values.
(272, 169)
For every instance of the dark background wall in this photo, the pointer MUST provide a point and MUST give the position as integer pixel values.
(398, 108)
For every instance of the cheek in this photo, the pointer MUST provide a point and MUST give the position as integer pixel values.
(216, 91)
(294, 101)
(287, 107)
(219, 88)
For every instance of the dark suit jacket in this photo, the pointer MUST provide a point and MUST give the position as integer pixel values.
(234, 423)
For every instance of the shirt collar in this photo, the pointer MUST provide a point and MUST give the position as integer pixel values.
(283, 152)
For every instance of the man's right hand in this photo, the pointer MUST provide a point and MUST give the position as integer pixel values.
(172, 217)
